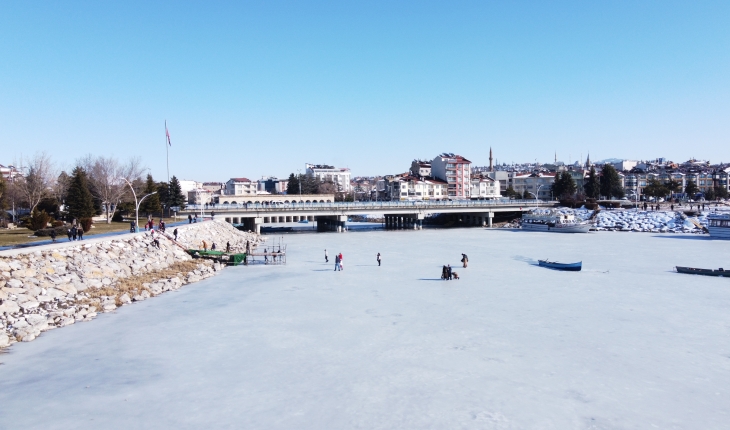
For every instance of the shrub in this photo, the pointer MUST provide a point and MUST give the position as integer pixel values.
(60, 231)
(117, 217)
(85, 223)
(57, 223)
(38, 220)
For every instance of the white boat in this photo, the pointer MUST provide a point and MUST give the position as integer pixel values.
(719, 226)
(554, 222)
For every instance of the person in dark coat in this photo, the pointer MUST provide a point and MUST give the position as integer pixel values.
(448, 271)
(174, 233)
(80, 232)
(69, 234)
(337, 262)
(74, 232)
(53, 235)
(444, 273)
(190, 219)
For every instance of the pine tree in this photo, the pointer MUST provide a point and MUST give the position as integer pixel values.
(163, 193)
(655, 189)
(176, 196)
(691, 189)
(610, 182)
(292, 187)
(509, 192)
(310, 184)
(79, 202)
(592, 187)
(151, 204)
(721, 193)
(564, 185)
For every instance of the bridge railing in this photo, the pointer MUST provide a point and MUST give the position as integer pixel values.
(387, 205)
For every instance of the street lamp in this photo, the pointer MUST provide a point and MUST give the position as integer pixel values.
(537, 196)
(137, 204)
(300, 184)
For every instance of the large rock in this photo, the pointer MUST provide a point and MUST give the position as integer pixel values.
(29, 305)
(9, 307)
(67, 288)
(38, 321)
(4, 340)
(15, 283)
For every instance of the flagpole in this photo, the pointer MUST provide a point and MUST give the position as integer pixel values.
(167, 153)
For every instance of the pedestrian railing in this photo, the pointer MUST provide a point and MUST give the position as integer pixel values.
(366, 206)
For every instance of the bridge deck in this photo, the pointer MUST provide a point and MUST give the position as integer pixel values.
(353, 208)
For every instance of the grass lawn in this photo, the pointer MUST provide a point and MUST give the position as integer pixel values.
(21, 235)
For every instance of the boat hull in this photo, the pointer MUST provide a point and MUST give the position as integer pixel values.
(569, 267)
(703, 272)
(557, 228)
(719, 232)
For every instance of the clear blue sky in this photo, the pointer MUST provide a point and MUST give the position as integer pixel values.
(251, 89)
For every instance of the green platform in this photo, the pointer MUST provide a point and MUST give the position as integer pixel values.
(220, 256)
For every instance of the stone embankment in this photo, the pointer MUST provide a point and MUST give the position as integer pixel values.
(57, 285)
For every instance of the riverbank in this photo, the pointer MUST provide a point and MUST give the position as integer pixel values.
(56, 285)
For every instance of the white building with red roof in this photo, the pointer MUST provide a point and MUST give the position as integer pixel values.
(240, 187)
(455, 170)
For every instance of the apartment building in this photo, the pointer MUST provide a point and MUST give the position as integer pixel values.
(455, 170)
(536, 184)
(484, 187)
(409, 187)
(240, 187)
(339, 176)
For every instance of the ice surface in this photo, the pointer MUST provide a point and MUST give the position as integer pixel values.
(624, 344)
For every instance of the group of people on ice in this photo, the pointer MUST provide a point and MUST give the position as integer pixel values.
(448, 274)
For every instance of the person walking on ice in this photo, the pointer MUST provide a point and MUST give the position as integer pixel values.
(378, 258)
(465, 260)
(337, 262)
(326, 257)
(341, 268)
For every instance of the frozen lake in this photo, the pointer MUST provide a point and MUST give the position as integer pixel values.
(624, 344)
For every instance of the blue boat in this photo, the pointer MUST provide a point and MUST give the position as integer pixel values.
(570, 267)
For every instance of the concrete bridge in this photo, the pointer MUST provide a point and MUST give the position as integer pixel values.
(332, 216)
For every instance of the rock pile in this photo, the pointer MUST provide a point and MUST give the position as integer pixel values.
(58, 285)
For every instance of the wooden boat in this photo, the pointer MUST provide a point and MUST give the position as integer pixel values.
(705, 272)
(571, 267)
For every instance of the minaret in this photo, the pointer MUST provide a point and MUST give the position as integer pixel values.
(588, 160)
(491, 166)
(556, 157)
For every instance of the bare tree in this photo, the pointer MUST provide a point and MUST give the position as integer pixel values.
(106, 177)
(36, 184)
(60, 187)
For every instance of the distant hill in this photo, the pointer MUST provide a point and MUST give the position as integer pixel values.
(610, 161)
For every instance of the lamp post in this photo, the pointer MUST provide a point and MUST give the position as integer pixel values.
(137, 204)
(537, 196)
(300, 184)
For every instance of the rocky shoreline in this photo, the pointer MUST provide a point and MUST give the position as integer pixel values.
(57, 285)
